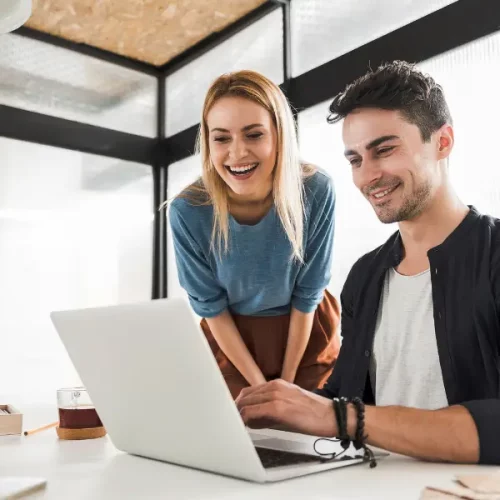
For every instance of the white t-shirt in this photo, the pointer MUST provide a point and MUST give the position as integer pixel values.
(405, 368)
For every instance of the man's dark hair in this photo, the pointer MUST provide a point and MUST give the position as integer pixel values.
(396, 86)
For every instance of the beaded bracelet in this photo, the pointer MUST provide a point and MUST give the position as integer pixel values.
(360, 436)
(340, 410)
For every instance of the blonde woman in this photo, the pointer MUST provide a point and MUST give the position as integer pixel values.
(253, 240)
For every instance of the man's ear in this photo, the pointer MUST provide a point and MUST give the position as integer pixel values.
(445, 141)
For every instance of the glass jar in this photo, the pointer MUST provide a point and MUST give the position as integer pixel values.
(76, 410)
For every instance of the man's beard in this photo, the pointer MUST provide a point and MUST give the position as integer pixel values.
(411, 205)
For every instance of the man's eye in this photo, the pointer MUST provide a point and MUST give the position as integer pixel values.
(387, 149)
(355, 162)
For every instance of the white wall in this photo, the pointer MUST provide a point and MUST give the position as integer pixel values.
(62, 247)
(469, 76)
(323, 30)
(180, 175)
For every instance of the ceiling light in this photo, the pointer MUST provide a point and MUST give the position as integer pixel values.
(13, 14)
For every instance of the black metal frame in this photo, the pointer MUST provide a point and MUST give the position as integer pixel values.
(457, 24)
(89, 50)
(287, 40)
(160, 185)
(52, 131)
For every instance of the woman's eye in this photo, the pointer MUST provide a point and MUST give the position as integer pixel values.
(221, 139)
(255, 136)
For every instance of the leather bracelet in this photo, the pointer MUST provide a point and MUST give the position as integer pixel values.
(338, 417)
(340, 407)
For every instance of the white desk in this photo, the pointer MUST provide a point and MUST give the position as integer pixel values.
(95, 470)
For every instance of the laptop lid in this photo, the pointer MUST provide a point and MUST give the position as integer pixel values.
(156, 385)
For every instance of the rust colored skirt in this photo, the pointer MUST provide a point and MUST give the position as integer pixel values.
(266, 339)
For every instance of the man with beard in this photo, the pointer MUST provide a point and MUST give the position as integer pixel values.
(420, 314)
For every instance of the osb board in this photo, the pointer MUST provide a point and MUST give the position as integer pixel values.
(153, 31)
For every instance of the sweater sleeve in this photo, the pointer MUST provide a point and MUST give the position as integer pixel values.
(207, 297)
(486, 416)
(486, 412)
(315, 273)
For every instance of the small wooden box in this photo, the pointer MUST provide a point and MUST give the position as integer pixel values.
(11, 423)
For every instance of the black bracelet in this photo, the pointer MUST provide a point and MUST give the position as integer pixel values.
(345, 440)
(336, 409)
(360, 437)
(340, 408)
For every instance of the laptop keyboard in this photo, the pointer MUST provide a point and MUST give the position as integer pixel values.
(277, 458)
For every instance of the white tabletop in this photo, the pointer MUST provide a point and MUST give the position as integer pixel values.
(95, 469)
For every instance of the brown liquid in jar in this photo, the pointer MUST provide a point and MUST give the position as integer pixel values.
(80, 417)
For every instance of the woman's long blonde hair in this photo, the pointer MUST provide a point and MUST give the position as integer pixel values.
(288, 173)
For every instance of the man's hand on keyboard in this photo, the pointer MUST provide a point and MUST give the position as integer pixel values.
(281, 405)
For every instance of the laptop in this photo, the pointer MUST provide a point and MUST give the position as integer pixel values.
(160, 394)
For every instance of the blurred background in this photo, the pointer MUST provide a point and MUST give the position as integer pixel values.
(100, 103)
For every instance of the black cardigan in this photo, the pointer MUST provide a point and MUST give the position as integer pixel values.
(465, 275)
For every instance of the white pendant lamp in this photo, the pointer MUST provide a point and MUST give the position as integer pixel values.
(13, 14)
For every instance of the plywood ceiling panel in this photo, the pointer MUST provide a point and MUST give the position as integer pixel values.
(153, 31)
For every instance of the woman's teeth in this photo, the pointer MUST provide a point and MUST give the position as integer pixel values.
(243, 169)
